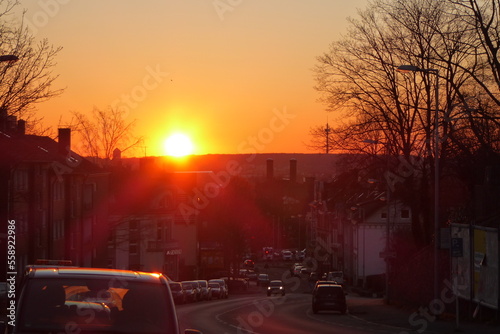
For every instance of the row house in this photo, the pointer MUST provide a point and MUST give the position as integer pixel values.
(55, 198)
(371, 228)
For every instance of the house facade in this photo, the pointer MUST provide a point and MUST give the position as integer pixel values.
(55, 198)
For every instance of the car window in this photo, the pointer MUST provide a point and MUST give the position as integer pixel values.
(79, 305)
(330, 290)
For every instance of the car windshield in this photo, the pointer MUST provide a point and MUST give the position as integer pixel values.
(275, 284)
(90, 305)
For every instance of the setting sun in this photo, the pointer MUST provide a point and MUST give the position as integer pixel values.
(178, 145)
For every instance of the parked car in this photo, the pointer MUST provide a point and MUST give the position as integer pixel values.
(197, 290)
(216, 290)
(276, 286)
(52, 301)
(287, 255)
(191, 294)
(223, 285)
(300, 255)
(206, 292)
(329, 297)
(178, 293)
(263, 280)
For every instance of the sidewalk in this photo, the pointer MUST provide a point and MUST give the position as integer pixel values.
(374, 310)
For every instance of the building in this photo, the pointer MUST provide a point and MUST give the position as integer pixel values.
(55, 198)
(154, 220)
(371, 222)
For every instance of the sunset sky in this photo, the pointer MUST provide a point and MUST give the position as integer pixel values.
(233, 75)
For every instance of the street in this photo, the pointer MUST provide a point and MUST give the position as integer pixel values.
(258, 314)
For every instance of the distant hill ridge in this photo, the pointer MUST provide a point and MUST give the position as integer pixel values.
(320, 166)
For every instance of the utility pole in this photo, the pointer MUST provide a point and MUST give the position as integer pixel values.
(327, 134)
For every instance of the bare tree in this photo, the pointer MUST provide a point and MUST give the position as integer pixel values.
(29, 80)
(374, 103)
(104, 131)
(321, 139)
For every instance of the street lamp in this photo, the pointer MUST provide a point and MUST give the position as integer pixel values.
(411, 68)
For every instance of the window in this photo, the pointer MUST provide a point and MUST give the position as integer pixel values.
(405, 213)
(383, 215)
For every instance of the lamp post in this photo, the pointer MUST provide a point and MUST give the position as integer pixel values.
(411, 68)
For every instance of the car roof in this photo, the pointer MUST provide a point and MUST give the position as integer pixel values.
(81, 272)
(276, 281)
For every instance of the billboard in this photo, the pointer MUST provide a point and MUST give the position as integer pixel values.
(475, 263)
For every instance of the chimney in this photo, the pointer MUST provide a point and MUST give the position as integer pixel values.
(270, 169)
(293, 170)
(21, 127)
(64, 140)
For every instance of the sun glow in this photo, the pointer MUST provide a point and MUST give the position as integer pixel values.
(178, 145)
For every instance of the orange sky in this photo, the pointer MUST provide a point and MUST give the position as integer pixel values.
(234, 75)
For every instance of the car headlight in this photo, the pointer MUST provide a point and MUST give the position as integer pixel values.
(268, 288)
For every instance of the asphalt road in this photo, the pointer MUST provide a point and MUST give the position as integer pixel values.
(258, 314)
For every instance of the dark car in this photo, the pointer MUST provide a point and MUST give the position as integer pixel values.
(191, 294)
(249, 264)
(276, 287)
(94, 300)
(178, 293)
(237, 284)
(329, 297)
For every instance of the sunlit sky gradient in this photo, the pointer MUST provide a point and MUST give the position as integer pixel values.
(235, 79)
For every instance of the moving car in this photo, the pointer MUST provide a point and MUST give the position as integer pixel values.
(249, 264)
(329, 297)
(276, 286)
(94, 300)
